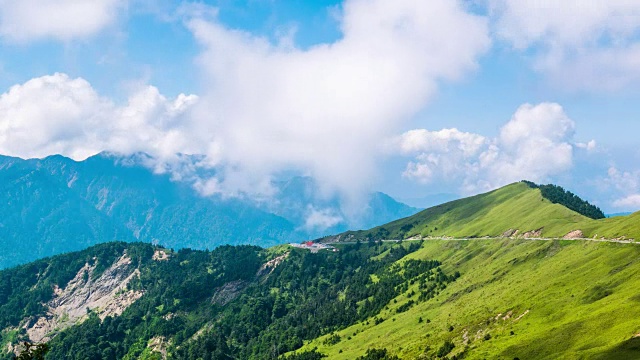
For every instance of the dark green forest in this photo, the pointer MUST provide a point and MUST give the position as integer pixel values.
(274, 311)
(558, 195)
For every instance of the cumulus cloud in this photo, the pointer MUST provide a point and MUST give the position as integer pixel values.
(265, 108)
(440, 154)
(56, 114)
(589, 44)
(535, 144)
(323, 111)
(629, 202)
(26, 20)
(626, 184)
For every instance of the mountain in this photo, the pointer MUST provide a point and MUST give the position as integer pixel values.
(507, 297)
(514, 210)
(618, 214)
(302, 201)
(56, 205)
(515, 299)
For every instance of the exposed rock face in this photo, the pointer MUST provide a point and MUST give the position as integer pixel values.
(160, 255)
(159, 345)
(533, 234)
(575, 234)
(228, 292)
(268, 267)
(509, 233)
(106, 295)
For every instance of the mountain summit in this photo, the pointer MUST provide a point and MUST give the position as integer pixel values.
(520, 209)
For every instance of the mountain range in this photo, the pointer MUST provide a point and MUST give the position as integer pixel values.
(55, 205)
(511, 274)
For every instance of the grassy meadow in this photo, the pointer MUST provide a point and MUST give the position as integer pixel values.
(516, 206)
(522, 299)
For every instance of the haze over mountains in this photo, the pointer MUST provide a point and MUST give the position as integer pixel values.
(56, 205)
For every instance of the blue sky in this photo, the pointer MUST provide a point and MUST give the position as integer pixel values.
(362, 95)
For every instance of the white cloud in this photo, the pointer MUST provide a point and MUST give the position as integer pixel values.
(56, 114)
(535, 144)
(443, 153)
(589, 146)
(321, 219)
(324, 110)
(588, 44)
(265, 108)
(26, 20)
(630, 202)
(624, 181)
(626, 184)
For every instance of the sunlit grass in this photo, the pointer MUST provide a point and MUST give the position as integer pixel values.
(561, 299)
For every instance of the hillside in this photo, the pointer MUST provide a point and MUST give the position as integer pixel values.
(56, 205)
(515, 299)
(128, 301)
(516, 207)
(474, 299)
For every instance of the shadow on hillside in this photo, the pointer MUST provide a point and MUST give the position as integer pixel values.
(548, 346)
(629, 349)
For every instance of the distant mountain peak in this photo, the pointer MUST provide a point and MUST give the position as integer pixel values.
(57, 205)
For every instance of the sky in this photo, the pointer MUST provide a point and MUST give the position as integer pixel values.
(418, 99)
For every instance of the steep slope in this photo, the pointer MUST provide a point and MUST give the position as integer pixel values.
(500, 213)
(233, 302)
(521, 299)
(472, 299)
(40, 216)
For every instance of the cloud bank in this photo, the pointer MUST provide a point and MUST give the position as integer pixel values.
(587, 44)
(535, 144)
(265, 108)
(28, 20)
(324, 110)
(56, 114)
(626, 184)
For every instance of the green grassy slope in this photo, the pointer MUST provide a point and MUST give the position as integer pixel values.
(515, 206)
(561, 299)
(615, 227)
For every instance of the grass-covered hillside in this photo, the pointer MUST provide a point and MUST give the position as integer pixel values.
(136, 301)
(523, 296)
(500, 212)
(434, 299)
(522, 299)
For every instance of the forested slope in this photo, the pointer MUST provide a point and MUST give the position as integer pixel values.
(233, 302)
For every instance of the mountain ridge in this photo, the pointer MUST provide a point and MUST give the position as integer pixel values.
(57, 204)
(515, 207)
